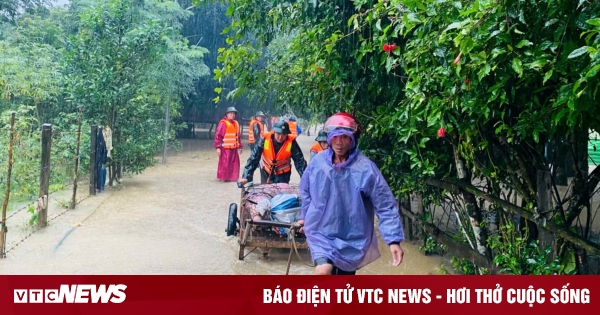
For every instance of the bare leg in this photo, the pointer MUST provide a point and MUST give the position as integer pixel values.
(324, 269)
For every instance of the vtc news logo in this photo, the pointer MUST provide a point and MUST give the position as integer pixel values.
(76, 293)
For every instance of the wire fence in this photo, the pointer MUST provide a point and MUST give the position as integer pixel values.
(32, 229)
(444, 217)
(46, 172)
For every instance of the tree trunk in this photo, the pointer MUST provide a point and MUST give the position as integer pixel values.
(544, 206)
(581, 199)
(112, 117)
(167, 120)
(473, 210)
(560, 161)
(581, 260)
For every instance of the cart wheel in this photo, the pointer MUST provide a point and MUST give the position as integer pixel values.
(232, 220)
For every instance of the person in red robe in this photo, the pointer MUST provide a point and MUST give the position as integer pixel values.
(228, 144)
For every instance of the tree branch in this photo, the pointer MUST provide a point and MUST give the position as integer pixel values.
(457, 186)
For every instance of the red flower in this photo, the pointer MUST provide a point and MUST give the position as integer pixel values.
(457, 60)
(441, 132)
(388, 48)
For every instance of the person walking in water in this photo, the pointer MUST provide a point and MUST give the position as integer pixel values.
(341, 192)
(256, 129)
(274, 153)
(228, 144)
(320, 145)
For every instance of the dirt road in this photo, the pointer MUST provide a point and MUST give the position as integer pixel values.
(168, 220)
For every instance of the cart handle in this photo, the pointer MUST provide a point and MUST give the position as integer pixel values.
(269, 223)
(248, 184)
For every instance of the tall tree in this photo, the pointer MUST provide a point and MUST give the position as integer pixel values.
(114, 62)
(11, 9)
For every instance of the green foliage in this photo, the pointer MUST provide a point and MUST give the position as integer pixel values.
(64, 149)
(11, 9)
(504, 80)
(518, 257)
(431, 246)
(125, 63)
(441, 270)
(493, 76)
(463, 266)
(26, 153)
(301, 58)
(29, 68)
(466, 267)
(122, 61)
(34, 215)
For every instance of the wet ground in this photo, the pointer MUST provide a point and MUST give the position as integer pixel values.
(168, 220)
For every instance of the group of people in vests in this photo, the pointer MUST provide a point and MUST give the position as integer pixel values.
(275, 164)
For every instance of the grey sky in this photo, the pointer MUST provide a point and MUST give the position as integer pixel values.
(59, 2)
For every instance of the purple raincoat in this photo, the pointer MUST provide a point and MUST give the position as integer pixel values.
(339, 204)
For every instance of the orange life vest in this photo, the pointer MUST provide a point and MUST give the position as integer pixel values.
(231, 139)
(293, 128)
(251, 132)
(316, 148)
(280, 162)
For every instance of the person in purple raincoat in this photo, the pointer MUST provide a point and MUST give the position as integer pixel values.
(341, 192)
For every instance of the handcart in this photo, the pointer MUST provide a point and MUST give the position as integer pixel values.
(261, 234)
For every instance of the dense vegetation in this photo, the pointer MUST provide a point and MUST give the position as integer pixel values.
(122, 61)
(470, 103)
(482, 108)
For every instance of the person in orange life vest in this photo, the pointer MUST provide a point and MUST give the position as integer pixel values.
(228, 144)
(256, 130)
(294, 128)
(274, 153)
(320, 145)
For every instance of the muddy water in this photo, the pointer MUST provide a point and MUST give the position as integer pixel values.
(168, 220)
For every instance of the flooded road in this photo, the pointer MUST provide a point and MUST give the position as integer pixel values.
(168, 220)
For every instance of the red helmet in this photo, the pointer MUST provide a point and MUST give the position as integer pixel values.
(343, 121)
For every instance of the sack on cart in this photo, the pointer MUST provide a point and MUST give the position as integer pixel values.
(257, 201)
(285, 208)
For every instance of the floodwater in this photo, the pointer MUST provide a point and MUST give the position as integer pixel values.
(168, 220)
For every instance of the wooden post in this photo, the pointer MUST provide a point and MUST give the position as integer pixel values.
(416, 207)
(544, 205)
(454, 246)
(45, 174)
(74, 199)
(3, 228)
(93, 160)
(416, 204)
(407, 221)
